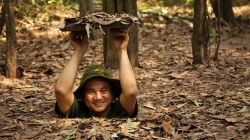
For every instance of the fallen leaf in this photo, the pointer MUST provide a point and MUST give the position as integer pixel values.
(57, 66)
(178, 75)
(204, 94)
(176, 136)
(197, 104)
(239, 94)
(17, 136)
(6, 134)
(244, 109)
(92, 132)
(114, 135)
(129, 122)
(168, 127)
(17, 99)
(158, 138)
(34, 53)
(231, 119)
(149, 105)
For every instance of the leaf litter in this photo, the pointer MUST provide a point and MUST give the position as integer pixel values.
(176, 99)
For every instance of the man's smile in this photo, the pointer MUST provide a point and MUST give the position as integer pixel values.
(98, 104)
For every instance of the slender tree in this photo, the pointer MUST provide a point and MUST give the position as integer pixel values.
(110, 54)
(11, 40)
(218, 37)
(133, 46)
(200, 33)
(2, 19)
(84, 7)
(226, 10)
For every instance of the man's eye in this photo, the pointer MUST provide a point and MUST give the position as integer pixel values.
(90, 92)
(104, 91)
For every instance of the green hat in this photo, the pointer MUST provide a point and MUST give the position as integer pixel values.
(98, 71)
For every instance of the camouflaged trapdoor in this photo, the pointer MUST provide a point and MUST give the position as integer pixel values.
(99, 20)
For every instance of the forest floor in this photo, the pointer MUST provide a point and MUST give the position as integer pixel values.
(177, 100)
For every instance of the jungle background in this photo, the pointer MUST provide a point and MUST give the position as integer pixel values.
(177, 99)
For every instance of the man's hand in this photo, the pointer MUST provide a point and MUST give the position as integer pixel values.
(119, 38)
(65, 82)
(79, 40)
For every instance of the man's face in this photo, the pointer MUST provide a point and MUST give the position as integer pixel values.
(98, 96)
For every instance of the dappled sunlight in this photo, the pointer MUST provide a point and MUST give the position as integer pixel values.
(176, 98)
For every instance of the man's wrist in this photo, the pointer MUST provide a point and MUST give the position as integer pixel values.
(122, 52)
(80, 51)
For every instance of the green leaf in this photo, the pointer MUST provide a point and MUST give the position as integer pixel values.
(197, 104)
(163, 79)
(114, 135)
(216, 103)
(214, 33)
(123, 22)
(243, 110)
(239, 94)
(129, 122)
(47, 134)
(87, 29)
(69, 132)
(131, 130)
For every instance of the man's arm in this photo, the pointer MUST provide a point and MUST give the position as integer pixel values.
(66, 80)
(127, 76)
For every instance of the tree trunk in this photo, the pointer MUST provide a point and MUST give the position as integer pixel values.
(133, 45)
(120, 7)
(110, 54)
(84, 7)
(2, 19)
(94, 33)
(226, 10)
(90, 6)
(218, 37)
(11, 50)
(200, 32)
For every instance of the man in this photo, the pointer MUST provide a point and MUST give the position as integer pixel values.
(99, 95)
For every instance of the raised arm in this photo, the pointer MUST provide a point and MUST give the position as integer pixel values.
(66, 80)
(127, 76)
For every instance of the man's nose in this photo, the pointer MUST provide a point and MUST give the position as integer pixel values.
(98, 95)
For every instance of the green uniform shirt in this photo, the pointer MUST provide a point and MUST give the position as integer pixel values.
(79, 110)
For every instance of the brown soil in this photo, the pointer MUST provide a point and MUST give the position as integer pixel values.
(176, 99)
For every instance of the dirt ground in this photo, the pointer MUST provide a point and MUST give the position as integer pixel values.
(177, 100)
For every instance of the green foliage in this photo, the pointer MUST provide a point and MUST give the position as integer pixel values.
(144, 6)
(149, 3)
(241, 95)
(65, 2)
(174, 2)
(244, 110)
(214, 33)
(169, 3)
(68, 134)
(87, 29)
(40, 9)
(197, 104)
(190, 3)
(55, 1)
(129, 122)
